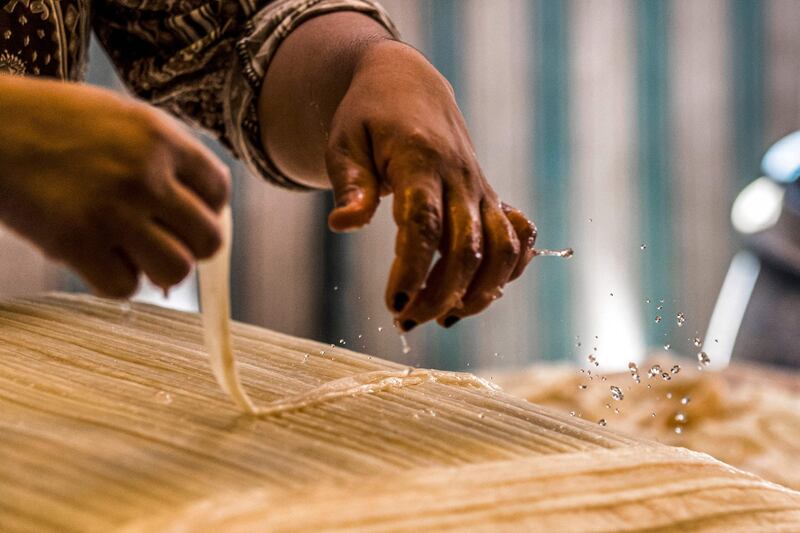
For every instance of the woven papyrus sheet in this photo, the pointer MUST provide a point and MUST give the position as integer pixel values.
(110, 420)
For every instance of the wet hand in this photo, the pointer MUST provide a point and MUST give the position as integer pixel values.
(398, 131)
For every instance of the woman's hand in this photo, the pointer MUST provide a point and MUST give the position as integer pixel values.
(107, 185)
(398, 130)
(344, 106)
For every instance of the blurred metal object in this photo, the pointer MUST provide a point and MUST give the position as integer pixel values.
(767, 216)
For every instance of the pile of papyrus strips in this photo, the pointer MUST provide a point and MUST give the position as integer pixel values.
(110, 420)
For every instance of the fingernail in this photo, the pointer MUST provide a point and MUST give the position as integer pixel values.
(408, 325)
(451, 321)
(400, 301)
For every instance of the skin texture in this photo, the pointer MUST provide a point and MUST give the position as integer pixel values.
(105, 184)
(346, 108)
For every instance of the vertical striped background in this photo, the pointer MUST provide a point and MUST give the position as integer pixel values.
(613, 123)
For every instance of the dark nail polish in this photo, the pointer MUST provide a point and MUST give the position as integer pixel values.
(408, 325)
(400, 301)
(451, 321)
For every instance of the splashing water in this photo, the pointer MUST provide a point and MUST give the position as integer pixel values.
(680, 319)
(703, 359)
(566, 253)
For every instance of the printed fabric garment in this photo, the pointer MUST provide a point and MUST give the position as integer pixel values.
(202, 60)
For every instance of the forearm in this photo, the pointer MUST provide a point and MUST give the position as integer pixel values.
(304, 85)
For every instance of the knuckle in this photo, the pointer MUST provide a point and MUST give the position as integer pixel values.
(426, 148)
(468, 254)
(426, 219)
(508, 251)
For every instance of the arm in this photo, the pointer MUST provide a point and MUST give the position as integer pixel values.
(346, 107)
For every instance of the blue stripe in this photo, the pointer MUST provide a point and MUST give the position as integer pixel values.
(447, 349)
(748, 44)
(551, 315)
(652, 31)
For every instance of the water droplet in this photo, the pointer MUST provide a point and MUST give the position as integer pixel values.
(565, 253)
(680, 417)
(342, 342)
(592, 359)
(667, 346)
(697, 342)
(680, 319)
(305, 357)
(336, 287)
(616, 393)
(404, 342)
(675, 369)
(163, 397)
(616, 411)
(685, 400)
(678, 430)
(659, 308)
(611, 294)
(654, 371)
(416, 416)
(643, 247)
(647, 300)
(583, 386)
(360, 335)
(495, 354)
(658, 319)
(665, 376)
(668, 396)
(653, 415)
(602, 422)
(703, 359)
(572, 413)
(380, 328)
(481, 415)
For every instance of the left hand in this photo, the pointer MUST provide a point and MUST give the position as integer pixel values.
(398, 130)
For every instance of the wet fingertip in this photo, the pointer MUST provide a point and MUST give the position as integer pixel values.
(408, 325)
(451, 320)
(400, 301)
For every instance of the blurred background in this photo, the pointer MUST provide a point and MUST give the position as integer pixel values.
(624, 128)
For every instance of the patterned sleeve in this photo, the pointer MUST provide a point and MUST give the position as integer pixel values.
(205, 60)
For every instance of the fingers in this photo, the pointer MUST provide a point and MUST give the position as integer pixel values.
(418, 214)
(201, 171)
(526, 233)
(109, 272)
(453, 273)
(162, 257)
(355, 189)
(190, 220)
(501, 252)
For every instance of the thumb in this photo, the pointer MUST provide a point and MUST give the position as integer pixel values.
(355, 190)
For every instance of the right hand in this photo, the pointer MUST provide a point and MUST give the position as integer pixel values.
(108, 185)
